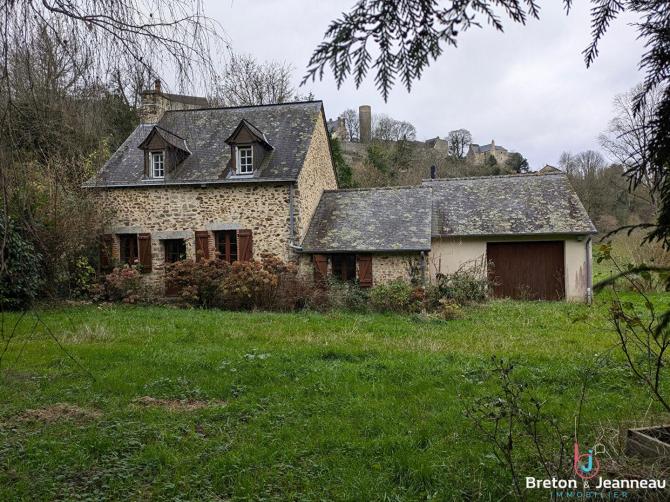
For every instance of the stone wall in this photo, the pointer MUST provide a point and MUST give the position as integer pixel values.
(389, 267)
(177, 212)
(317, 175)
(385, 267)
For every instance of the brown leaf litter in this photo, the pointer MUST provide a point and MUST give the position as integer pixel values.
(177, 404)
(59, 411)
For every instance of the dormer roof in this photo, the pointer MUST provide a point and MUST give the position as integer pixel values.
(168, 137)
(254, 131)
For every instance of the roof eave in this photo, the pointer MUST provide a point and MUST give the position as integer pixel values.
(148, 184)
(515, 234)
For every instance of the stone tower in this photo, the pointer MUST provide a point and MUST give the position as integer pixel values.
(365, 123)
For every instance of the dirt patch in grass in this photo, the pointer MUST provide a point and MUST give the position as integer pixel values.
(59, 411)
(177, 404)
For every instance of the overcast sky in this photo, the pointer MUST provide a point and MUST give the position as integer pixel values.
(527, 88)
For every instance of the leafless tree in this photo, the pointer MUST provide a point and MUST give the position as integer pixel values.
(458, 142)
(246, 81)
(352, 123)
(630, 133)
(385, 128)
(58, 54)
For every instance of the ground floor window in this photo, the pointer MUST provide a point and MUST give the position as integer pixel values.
(128, 248)
(343, 266)
(226, 245)
(175, 250)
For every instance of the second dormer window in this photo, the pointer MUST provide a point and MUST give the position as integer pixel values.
(157, 165)
(245, 160)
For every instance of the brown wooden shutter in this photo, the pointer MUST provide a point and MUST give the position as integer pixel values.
(244, 245)
(202, 245)
(364, 270)
(320, 267)
(144, 249)
(106, 241)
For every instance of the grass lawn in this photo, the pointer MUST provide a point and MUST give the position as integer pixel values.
(301, 406)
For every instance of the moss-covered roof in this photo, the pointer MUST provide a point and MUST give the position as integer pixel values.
(524, 204)
(287, 127)
(376, 219)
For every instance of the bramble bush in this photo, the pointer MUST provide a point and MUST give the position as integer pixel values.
(397, 296)
(468, 284)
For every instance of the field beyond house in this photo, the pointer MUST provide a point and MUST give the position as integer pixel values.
(211, 405)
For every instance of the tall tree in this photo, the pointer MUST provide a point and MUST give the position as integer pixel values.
(517, 163)
(386, 128)
(629, 134)
(458, 142)
(246, 81)
(352, 123)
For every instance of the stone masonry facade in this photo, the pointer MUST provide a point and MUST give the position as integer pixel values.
(177, 212)
(317, 175)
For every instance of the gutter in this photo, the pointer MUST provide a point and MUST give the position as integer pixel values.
(589, 272)
(189, 183)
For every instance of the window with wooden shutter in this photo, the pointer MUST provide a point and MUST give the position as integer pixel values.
(128, 252)
(144, 245)
(106, 258)
(320, 268)
(202, 245)
(364, 270)
(343, 266)
(226, 245)
(244, 245)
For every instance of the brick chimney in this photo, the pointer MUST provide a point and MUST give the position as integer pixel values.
(157, 86)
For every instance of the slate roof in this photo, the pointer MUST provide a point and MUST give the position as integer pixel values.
(487, 148)
(288, 128)
(523, 204)
(187, 100)
(377, 219)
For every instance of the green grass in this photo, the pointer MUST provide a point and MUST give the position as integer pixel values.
(317, 407)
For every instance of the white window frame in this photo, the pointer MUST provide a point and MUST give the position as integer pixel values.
(250, 158)
(158, 165)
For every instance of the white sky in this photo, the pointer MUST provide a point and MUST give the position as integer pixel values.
(527, 88)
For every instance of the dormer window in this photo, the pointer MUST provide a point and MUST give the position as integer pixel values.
(157, 165)
(245, 160)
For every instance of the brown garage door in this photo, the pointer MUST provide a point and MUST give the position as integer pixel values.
(527, 270)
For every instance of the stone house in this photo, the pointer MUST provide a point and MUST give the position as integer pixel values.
(478, 154)
(234, 183)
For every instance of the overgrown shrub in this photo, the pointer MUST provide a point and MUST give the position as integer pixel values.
(347, 296)
(396, 296)
(469, 284)
(82, 278)
(268, 284)
(198, 281)
(123, 284)
(21, 279)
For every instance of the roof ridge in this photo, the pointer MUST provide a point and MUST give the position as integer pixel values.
(496, 176)
(367, 189)
(209, 108)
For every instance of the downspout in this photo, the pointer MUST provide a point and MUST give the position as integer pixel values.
(291, 217)
(589, 272)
